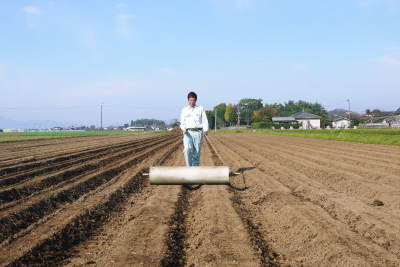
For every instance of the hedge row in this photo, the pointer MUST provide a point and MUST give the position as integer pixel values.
(264, 125)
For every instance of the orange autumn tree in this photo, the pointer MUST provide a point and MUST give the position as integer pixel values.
(265, 114)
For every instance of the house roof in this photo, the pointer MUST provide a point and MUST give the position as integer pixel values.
(305, 115)
(340, 119)
(136, 127)
(283, 119)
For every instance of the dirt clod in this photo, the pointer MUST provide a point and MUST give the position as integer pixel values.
(377, 203)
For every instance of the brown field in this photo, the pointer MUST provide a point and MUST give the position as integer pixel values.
(308, 202)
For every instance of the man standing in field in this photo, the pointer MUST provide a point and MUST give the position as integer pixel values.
(194, 125)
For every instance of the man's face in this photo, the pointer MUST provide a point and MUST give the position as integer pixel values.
(192, 101)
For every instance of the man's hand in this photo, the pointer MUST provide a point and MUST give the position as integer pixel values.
(205, 133)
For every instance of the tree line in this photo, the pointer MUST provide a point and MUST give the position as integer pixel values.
(251, 111)
(146, 123)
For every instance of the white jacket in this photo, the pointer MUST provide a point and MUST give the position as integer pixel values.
(194, 118)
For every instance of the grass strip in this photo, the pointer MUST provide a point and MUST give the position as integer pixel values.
(366, 136)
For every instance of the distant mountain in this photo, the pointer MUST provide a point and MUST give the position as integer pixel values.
(31, 124)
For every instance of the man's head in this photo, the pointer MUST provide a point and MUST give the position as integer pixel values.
(192, 98)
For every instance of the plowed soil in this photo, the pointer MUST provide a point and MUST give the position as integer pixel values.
(296, 202)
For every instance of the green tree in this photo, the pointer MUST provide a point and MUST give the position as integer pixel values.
(210, 118)
(355, 121)
(148, 123)
(228, 116)
(376, 113)
(220, 111)
(247, 106)
(291, 107)
(276, 106)
(236, 110)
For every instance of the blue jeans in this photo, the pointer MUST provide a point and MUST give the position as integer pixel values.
(192, 145)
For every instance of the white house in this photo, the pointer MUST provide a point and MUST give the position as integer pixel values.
(341, 123)
(308, 120)
(305, 119)
(13, 130)
(394, 121)
(135, 128)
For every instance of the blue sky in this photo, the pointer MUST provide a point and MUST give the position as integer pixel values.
(59, 60)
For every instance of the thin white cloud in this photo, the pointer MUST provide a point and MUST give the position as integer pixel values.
(377, 3)
(393, 49)
(366, 3)
(32, 10)
(244, 3)
(388, 61)
(124, 25)
(301, 67)
(32, 16)
(238, 4)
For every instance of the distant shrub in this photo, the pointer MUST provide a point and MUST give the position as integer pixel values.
(269, 125)
(260, 125)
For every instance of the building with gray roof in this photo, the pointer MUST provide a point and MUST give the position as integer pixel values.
(305, 119)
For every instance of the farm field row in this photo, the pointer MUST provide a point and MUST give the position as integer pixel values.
(26, 136)
(366, 136)
(307, 202)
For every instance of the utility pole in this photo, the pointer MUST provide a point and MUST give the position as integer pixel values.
(101, 116)
(215, 121)
(348, 101)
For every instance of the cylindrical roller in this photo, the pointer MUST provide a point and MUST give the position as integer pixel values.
(189, 175)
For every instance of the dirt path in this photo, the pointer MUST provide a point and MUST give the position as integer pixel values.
(215, 234)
